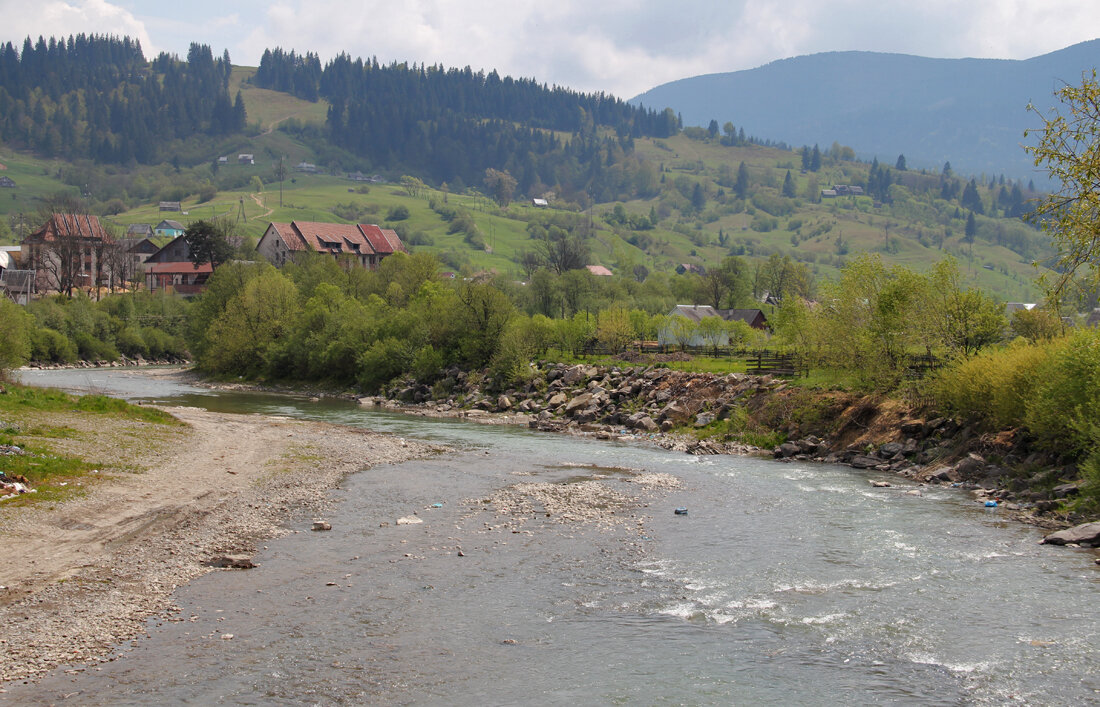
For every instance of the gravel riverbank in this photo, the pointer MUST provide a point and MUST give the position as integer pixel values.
(80, 578)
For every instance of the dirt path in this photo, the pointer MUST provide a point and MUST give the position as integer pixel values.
(260, 203)
(84, 576)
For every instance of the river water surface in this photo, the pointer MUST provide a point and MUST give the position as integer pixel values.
(786, 584)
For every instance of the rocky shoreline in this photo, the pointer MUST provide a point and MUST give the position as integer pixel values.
(685, 411)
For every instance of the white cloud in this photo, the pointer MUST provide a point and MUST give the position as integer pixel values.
(59, 18)
(618, 46)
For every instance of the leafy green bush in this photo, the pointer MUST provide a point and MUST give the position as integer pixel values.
(93, 349)
(1065, 406)
(130, 342)
(382, 362)
(51, 346)
(994, 387)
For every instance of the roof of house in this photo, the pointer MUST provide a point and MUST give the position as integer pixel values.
(598, 270)
(169, 223)
(744, 315)
(364, 239)
(695, 312)
(142, 229)
(185, 266)
(70, 225)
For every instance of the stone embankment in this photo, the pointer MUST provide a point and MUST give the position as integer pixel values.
(702, 413)
(121, 362)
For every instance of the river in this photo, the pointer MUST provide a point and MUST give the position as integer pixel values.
(785, 584)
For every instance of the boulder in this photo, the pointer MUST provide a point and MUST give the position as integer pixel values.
(944, 474)
(703, 419)
(862, 461)
(1086, 534)
(556, 400)
(912, 428)
(675, 412)
(321, 525)
(1065, 490)
(787, 449)
(233, 562)
(504, 403)
(890, 449)
(642, 421)
(970, 467)
(578, 403)
(575, 374)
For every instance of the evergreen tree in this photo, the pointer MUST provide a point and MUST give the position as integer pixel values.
(815, 160)
(900, 164)
(741, 186)
(788, 186)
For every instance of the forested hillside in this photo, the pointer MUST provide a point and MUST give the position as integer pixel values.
(450, 125)
(97, 97)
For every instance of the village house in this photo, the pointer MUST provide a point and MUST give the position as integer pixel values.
(67, 252)
(246, 159)
(695, 313)
(690, 268)
(169, 228)
(170, 269)
(363, 244)
(15, 284)
(169, 206)
(138, 250)
(7, 183)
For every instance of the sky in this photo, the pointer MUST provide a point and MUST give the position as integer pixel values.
(615, 46)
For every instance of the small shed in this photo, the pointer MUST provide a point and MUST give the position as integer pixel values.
(246, 159)
(7, 182)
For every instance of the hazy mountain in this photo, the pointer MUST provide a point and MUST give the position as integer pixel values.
(971, 112)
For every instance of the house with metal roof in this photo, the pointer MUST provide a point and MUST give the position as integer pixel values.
(68, 253)
(696, 313)
(362, 244)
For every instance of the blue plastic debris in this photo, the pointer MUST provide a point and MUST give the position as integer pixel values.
(990, 504)
(681, 511)
(437, 505)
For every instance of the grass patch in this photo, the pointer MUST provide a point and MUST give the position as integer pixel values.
(18, 399)
(26, 414)
(741, 427)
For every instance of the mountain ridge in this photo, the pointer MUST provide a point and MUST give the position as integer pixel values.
(971, 112)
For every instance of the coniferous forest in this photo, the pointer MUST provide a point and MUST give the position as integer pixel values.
(450, 125)
(96, 97)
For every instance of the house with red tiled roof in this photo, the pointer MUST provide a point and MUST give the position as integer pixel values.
(363, 244)
(67, 253)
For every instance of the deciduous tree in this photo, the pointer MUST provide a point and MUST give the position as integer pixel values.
(1069, 150)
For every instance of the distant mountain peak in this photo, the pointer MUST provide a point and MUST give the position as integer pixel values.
(971, 112)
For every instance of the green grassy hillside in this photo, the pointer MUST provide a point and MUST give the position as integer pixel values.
(915, 227)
